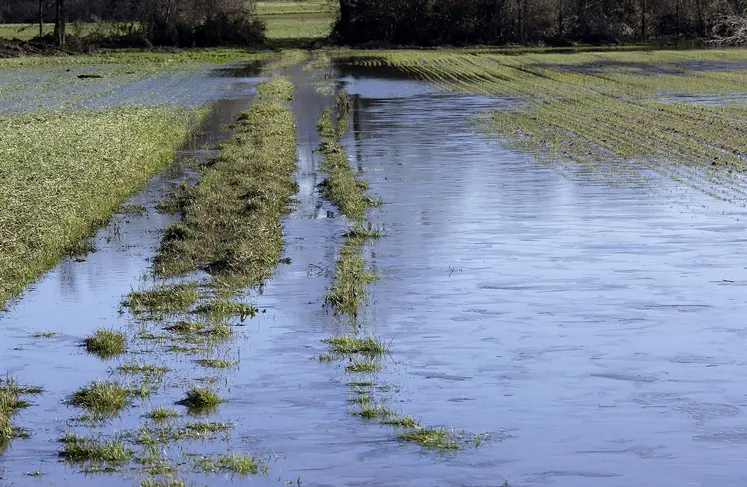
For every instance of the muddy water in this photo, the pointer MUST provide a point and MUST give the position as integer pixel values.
(594, 329)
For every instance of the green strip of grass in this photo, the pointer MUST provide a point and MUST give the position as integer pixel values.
(11, 401)
(231, 225)
(64, 175)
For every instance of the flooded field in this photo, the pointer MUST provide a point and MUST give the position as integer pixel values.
(533, 320)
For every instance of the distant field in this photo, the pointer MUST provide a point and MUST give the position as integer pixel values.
(298, 20)
(285, 20)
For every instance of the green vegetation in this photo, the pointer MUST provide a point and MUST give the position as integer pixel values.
(238, 463)
(80, 449)
(199, 399)
(402, 421)
(161, 413)
(101, 398)
(437, 438)
(341, 186)
(377, 411)
(144, 369)
(215, 363)
(231, 226)
(106, 343)
(299, 20)
(347, 345)
(611, 111)
(148, 482)
(222, 308)
(163, 298)
(351, 277)
(11, 402)
(78, 181)
(146, 435)
(365, 365)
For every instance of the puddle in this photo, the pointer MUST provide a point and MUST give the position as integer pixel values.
(594, 329)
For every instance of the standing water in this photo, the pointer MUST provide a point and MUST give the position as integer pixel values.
(593, 329)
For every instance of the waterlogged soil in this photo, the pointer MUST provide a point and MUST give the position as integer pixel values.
(592, 327)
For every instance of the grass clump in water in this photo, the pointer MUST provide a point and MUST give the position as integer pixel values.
(163, 299)
(349, 285)
(361, 232)
(81, 449)
(161, 483)
(142, 369)
(437, 438)
(402, 421)
(162, 413)
(370, 411)
(348, 345)
(101, 398)
(11, 402)
(106, 343)
(199, 399)
(238, 463)
(227, 308)
(362, 366)
(215, 363)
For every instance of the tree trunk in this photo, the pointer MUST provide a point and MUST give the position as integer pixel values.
(679, 29)
(60, 23)
(41, 18)
(701, 22)
(560, 18)
(643, 19)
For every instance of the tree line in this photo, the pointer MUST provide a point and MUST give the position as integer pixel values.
(434, 22)
(158, 22)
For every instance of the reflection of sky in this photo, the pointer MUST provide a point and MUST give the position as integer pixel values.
(577, 312)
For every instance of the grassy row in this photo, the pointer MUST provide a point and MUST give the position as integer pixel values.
(363, 354)
(63, 175)
(341, 186)
(235, 209)
(231, 226)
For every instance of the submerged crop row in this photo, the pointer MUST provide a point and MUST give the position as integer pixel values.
(362, 354)
(679, 114)
(64, 175)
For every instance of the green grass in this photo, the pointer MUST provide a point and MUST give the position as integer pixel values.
(145, 435)
(238, 463)
(133, 368)
(348, 288)
(101, 398)
(199, 399)
(78, 181)
(163, 299)
(402, 421)
(11, 401)
(374, 411)
(603, 110)
(340, 186)
(215, 363)
(231, 226)
(435, 438)
(162, 413)
(348, 345)
(226, 308)
(149, 482)
(106, 343)
(365, 365)
(307, 20)
(79, 449)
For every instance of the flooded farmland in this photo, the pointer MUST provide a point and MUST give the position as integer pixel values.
(565, 325)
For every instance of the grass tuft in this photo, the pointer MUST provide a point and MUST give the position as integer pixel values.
(83, 449)
(200, 399)
(437, 438)
(163, 299)
(162, 413)
(365, 365)
(106, 343)
(215, 363)
(101, 398)
(348, 345)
